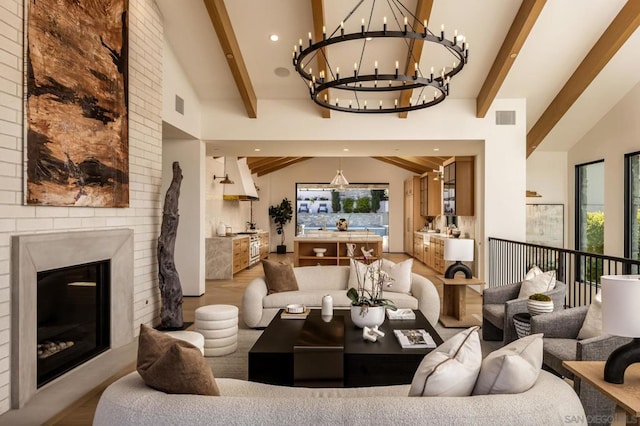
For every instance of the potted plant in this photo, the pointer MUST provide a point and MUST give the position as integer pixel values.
(539, 303)
(367, 304)
(281, 214)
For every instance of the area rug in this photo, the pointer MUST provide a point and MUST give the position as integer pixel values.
(235, 365)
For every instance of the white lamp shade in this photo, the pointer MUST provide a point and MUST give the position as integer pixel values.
(621, 305)
(458, 249)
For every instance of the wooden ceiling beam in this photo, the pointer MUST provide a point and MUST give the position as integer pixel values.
(231, 50)
(398, 162)
(520, 28)
(423, 12)
(255, 162)
(278, 164)
(317, 8)
(428, 162)
(622, 26)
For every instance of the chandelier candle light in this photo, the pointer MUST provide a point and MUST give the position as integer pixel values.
(387, 79)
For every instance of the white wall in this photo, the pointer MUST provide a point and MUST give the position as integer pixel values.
(231, 213)
(189, 250)
(547, 175)
(617, 134)
(145, 167)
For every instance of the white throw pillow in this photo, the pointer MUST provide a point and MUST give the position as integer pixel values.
(592, 325)
(535, 270)
(451, 369)
(400, 273)
(511, 369)
(540, 283)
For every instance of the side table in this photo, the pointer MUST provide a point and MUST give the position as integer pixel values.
(454, 309)
(625, 395)
(522, 323)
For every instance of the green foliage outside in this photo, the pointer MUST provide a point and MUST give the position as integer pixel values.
(376, 196)
(595, 244)
(347, 205)
(335, 201)
(363, 205)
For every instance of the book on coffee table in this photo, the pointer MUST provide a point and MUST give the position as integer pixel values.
(289, 315)
(414, 339)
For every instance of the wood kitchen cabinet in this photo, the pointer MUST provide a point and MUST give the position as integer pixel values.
(264, 245)
(418, 246)
(430, 195)
(458, 187)
(240, 254)
(336, 253)
(412, 219)
(436, 248)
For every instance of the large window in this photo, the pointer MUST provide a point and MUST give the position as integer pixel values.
(632, 206)
(590, 217)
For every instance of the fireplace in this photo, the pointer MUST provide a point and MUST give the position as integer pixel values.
(66, 270)
(73, 317)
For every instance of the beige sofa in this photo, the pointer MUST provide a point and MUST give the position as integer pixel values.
(128, 401)
(258, 308)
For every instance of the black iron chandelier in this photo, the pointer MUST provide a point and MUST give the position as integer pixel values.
(387, 82)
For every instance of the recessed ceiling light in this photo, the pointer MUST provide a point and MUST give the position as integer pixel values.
(256, 149)
(346, 149)
(274, 37)
(436, 149)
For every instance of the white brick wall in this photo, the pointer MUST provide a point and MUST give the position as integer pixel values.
(145, 157)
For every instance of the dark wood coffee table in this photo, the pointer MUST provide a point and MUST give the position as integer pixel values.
(271, 359)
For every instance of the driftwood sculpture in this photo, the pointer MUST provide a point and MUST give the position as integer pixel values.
(168, 278)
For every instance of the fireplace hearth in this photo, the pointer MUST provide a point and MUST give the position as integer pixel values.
(73, 293)
(73, 317)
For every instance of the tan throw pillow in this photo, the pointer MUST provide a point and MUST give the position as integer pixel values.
(592, 325)
(451, 369)
(279, 277)
(511, 369)
(540, 283)
(400, 274)
(173, 366)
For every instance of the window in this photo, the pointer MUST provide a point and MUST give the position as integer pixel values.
(632, 206)
(590, 218)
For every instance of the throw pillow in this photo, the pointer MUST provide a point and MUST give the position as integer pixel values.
(535, 270)
(511, 369)
(279, 277)
(400, 274)
(540, 283)
(173, 366)
(451, 369)
(592, 325)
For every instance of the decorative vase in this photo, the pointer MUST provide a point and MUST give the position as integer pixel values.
(537, 307)
(342, 224)
(367, 317)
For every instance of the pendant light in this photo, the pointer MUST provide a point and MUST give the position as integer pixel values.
(339, 180)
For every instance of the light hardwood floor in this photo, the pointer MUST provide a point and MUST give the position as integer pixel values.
(222, 292)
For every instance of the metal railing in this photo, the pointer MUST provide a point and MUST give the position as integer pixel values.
(509, 261)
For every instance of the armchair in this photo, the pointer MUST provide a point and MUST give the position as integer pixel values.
(500, 304)
(560, 343)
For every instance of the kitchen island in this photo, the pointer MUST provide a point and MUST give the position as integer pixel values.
(335, 244)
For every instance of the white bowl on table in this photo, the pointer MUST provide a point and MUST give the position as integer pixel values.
(319, 251)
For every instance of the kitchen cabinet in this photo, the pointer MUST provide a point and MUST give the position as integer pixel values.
(436, 247)
(412, 219)
(264, 245)
(418, 246)
(336, 249)
(225, 256)
(430, 195)
(458, 187)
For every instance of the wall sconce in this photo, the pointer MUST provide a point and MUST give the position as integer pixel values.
(225, 179)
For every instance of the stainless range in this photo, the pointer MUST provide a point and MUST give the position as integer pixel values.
(254, 249)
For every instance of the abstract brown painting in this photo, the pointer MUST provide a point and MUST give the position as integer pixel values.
(77, 147)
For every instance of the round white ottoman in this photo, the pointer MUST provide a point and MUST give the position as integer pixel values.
(193, 337)
(218, 325)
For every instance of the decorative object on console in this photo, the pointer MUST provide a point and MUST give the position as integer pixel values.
(458, 250)
(539, 303)
(342, 224)
(621, 317)
(371, 334)
(367, 80)
(319, 251)
(367, 304)
(327, 308)
(281, 214)
(168, 278)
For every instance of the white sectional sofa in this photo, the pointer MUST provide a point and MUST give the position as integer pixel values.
(259, 308)
(128, 401)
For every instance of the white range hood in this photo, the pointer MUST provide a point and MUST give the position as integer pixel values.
(242, 188)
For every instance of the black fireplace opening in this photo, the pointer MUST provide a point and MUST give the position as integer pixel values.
(73, 317)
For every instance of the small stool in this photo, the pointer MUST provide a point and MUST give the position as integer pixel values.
(218, 325)
(195, 338)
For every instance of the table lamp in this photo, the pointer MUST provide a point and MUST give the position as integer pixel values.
(621, 317)
(458, 251)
